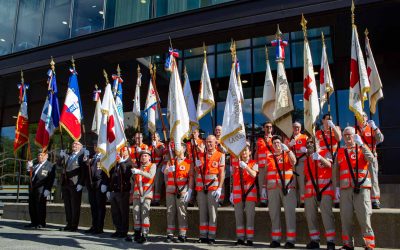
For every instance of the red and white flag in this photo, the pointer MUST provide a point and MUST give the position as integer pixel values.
(375, 93)
(22, 126)
(71, 115)
(325, 79)
(111, 136)
(310, 93)
(359, 83)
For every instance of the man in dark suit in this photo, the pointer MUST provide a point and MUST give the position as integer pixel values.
(43, 174)
(72, 181)
(118, 195)
(97, 185)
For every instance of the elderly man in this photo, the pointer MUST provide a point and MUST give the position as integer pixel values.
(355, 188)
(281, 185)
(43, 174)
(372, 135)
(210, 175)
(73, 179)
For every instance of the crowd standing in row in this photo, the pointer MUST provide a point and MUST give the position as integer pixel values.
(298, 171)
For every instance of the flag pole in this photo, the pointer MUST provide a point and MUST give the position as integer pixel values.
(366, 32)
(53, 69)
(139, 75)
(211, 111)
(82, 116)
(153, 74)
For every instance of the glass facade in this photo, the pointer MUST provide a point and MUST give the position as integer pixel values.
(26, 24)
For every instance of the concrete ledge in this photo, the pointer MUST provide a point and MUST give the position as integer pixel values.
(385, 222)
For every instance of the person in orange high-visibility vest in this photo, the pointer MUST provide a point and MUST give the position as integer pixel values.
(143, 184)
(328, 138)
(157, 149)
(210, 175)
(179, 190)
(244, 196)
(281, 185)
(298, 145)
(372, 135)
(263, 148)
(319, 192)
(222, 149)
(199, 146)
(135, 149)
(355, 188)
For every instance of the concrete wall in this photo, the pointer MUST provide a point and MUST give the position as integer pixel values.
(385, 222)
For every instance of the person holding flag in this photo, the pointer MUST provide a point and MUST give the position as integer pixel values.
(50, 117)
(134, 150)
(157, 150)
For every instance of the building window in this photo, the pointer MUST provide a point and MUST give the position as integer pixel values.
(29, 24)
(121, 12)
(88, 17)
(7, 22)
(56, 21)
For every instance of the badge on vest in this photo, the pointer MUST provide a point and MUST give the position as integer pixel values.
(353, 156)
(367, 134)
(45, 172)
(280, 160)
(181, 167)
(214, 164)
(299, 142)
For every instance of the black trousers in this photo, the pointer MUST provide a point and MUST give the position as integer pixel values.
(72, 205)
(120, 210)
(37, 207)
(97, 201)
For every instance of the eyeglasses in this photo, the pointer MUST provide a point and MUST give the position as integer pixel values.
(267, 126)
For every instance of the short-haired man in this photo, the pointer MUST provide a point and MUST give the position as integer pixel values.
(372, 135)
(73, 179)
(281, 185)
(43, 174)
(136, 148)
(263, 148)
(355, 188)
(210, 175)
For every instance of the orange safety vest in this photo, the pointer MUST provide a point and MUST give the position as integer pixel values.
(263, 148)
(324, 140)
(210, 173)
(249, 187)
(363, 177)
(301, 141)
(142, 186)
(189, 150)
(156, 158)
(181, 175)
(366, 134)
(135, 155)
(322, 176)
(284, 166)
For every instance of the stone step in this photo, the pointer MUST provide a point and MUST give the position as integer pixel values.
(385, 222)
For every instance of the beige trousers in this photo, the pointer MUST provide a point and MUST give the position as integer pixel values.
(241, 210)
(373, 168)
(176, 208)
(261, 182)
(300, 179)
(360, 204)
(311, 210)
(208, 214)
(141, 215)
(289, 201)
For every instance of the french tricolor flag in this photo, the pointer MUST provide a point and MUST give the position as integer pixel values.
(50, 117)
(71, 114)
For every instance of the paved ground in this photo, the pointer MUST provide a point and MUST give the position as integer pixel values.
(13, 235)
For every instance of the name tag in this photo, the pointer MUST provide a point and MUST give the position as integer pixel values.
(45, 172)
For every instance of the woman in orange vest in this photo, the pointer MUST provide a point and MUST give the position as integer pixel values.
(244, 196)
(355, 188)
(281, 185)
(143, 183)
(179, 189)
(319, 192)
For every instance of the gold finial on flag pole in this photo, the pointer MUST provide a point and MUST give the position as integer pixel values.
(118, 70)
(106, 76)
(323, 38)
(184, 70)
(278, 34)
(22, 77)
(366, 32)
(52, 64)
(73, 62)
(352, 12)
(303, 24)
(233, 49)
(266, 54)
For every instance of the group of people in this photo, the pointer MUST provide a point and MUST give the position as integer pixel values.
(308, 171)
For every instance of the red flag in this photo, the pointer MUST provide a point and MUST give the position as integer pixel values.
(22, 126)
